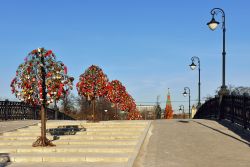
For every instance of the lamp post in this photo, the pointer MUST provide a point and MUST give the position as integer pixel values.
(56, 110)
(106, 114)
(193, 66)
(213, 25)
(185, 94)
(182, 109)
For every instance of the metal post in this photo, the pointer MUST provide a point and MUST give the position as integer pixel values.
(183, 113)
(244, 111)
(189, 112)
(232, 108)
(56, 110)
(93, 110)
(199, 82)
(224, 58)
(185, 93)
(199, 87)
(214, 11)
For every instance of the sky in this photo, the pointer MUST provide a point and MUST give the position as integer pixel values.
(146, 44)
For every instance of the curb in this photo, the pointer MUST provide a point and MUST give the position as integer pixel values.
(138, 147)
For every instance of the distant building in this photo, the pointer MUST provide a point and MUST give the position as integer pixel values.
(147, 111)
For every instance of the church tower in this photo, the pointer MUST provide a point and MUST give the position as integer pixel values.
(168, 109)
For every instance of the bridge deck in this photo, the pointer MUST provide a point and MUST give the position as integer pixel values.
(189, 143)
(194, 143)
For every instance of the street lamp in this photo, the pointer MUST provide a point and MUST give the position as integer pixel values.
(106, 114)
(193, 66)
(213, 25)
(185, 93)
(182, 109)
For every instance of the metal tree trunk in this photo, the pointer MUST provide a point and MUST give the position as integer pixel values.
(43, 125)
(42, 140)
(93, 110)
(116, 114)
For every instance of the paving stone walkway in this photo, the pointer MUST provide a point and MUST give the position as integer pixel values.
(194, 143)
(6, 126)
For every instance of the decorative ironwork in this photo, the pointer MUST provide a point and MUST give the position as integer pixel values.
(11, 110)
(231, 107)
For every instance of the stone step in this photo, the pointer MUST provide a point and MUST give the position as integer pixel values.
(111, 143)
(112, 125)
(58, 122)
(62, 122)
(21, 138)
(96, 127)
(69, 149)
(64, 157)
(27, 133)
(72, 142)
(37, 129)
(69, 164)
(89, 124)
(75, 137)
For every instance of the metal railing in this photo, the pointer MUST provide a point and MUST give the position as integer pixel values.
(11, 110)
(231, 107)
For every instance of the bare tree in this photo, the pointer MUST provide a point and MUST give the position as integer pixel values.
(68, 103)
(104, 109)
(236, 90)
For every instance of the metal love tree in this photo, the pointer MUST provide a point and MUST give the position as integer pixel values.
(128, 103)
(41, 80)
(92, 84)
(134, 115)
(116, 93)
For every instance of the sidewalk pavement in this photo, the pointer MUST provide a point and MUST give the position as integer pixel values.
(192, 143)
(6, 126)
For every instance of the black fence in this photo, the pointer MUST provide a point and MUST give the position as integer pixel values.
(10, 110)
(233, 108)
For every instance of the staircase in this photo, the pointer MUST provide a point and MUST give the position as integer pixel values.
(103, 144)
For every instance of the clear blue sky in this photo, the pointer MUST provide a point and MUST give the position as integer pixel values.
(147, 45)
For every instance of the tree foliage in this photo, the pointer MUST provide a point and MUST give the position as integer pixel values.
(68, 103)
(41, 80)
(134, 115)
(128, 103)
(28, 83)
(116, 92)
(236, 90)
(92, 83)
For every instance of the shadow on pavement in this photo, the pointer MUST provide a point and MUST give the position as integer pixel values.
(183, 121)
(64, 130)
(241, 132)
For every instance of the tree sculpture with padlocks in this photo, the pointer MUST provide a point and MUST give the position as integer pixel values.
(41, 80)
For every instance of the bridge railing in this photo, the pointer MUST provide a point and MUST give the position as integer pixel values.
(11, 110)
(231, 107)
